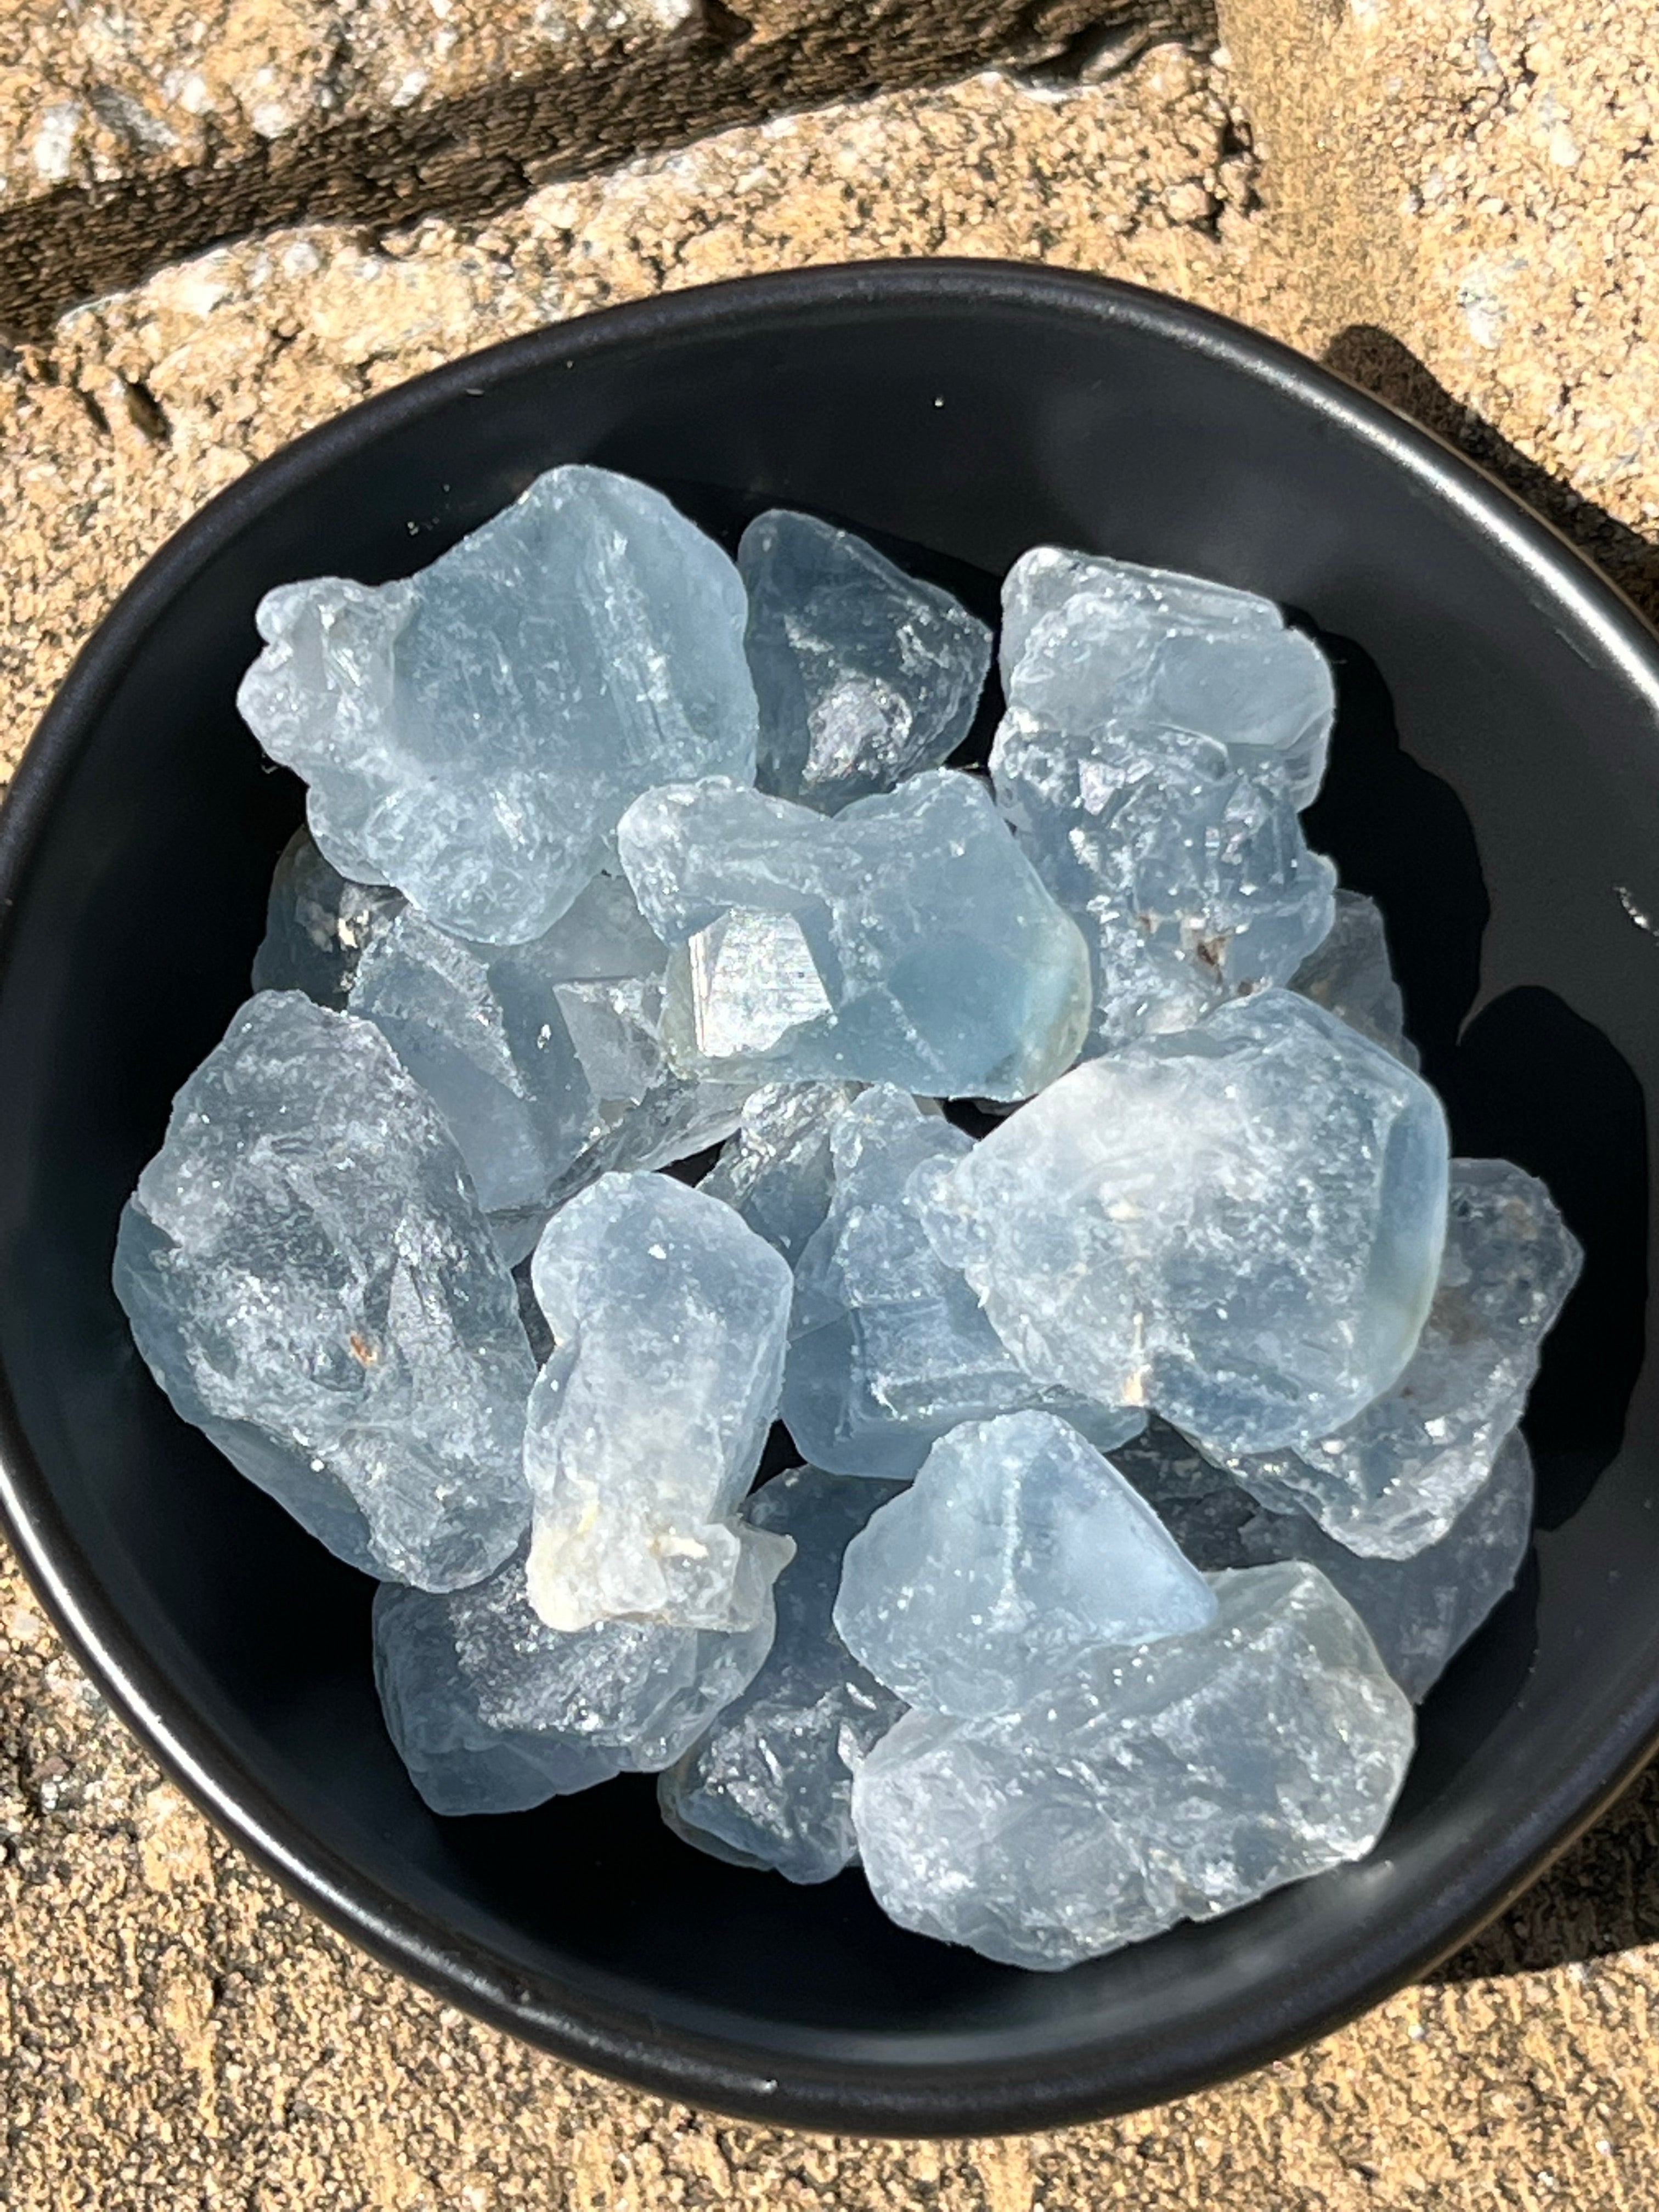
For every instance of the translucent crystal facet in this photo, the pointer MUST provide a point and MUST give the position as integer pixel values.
(493, 1711)
(1240, 1224)
(647, 1423)
(863, 674)
(310, 1280)
(1420, 1611)
(771, 1782)
(545, 1059)
(318, 925)
(778, 1170)
(1017, 1550)
(904, 940)
(889, 1347)
(472, 733)
(1174, 1782)
(1161, 734)
(1351, 977)
(1396, 1476)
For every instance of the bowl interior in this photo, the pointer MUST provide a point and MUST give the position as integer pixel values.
(1494, 783)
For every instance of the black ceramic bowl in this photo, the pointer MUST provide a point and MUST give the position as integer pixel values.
(1494, 782)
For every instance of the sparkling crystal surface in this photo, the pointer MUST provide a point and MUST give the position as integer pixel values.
(1396, 1476)
(1351, 977)
(863, 675)
(1016, 1551)
(310, 1280)
(318, 925)
(493, 1711)
(1420, 1611)
(1239, 1225)
(669, 1317)
(771, 1782)
(778, 1170)
(904, 940)
(544, 1058)
(888, 1346)
(1174, 1782)
(1160, 734)
(472, 733)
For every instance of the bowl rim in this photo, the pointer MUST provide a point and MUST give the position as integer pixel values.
(896, 2097)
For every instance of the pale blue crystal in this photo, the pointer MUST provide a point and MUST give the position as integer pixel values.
(1420, 1611)
(1351, 975)
(493, 1711)
(1395, 1476)
(771, 1782)
(889, 1347)
(1016, 1554)
(472, 733)
(646, 1425)
(904, 940)
(1161, 734)
(318, 926)
(544, 1058)
(310, 1280)
(1239, 1225)
(863, 675)
(778, 1170)
(1174, 1782)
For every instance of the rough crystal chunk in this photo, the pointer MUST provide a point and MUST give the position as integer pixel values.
(904, 940)
(771, 1782)
(472, 733)
(493, 1711)
(669, 1317)
(1420, 1611)
(318, 926)
(1240, 1224)
(778, 1170)
(863, 675)
(889, 1347)
(544, 1058)
(1016, 1553)
(1351, 976)
(1161, 734)
(310, 1280)
(1158, 651)
(1395, 1476)
(1175, 1782)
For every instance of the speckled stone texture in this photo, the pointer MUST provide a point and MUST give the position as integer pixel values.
(173, 2031)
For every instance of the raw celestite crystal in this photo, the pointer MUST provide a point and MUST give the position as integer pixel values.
(1351, 977)
(1016, 1553)
(646, 1425)
(318, 926)
(904, 940)
(1174, 1782)
(771, 1782)
(778, 1170)
(310, 1280)
(889, 1347)
(472, 733)
(493, 1711)
(1239, 1225)
(863, 674)
(1161, 734)
(1420, 1611)
(1397, 1475)
(545, 1058)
